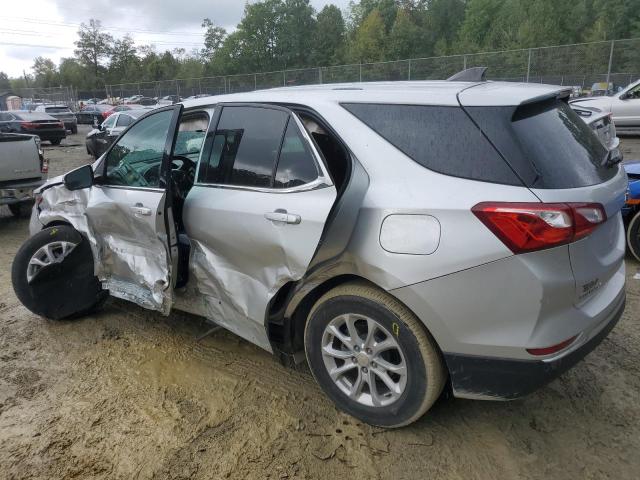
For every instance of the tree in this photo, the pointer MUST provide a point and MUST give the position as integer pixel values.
(369, 42)
(329, 37)
(45, 72)
(295, 32)
(72, 73)
(361, 10)
(404, 38)
(124, 61)
(5, 85)
(93, 46)
(214, 37)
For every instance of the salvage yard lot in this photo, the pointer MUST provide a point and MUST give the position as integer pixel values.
(127, 393)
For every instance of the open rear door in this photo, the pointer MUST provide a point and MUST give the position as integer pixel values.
(255, 215)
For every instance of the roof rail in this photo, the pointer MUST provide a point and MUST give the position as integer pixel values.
(473, 74)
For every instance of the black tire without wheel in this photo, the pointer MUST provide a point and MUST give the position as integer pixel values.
(633, 235)
(378, 319)
(21, 210)
(64, 288)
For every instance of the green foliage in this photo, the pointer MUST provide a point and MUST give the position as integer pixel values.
(5, 84)
(288, 34)
(329, 37)
(370, 39)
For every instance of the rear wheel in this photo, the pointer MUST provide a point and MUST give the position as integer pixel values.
(21, 210)
(74, 129)
(56, 141)
(52, 274)
(633, 235)
(372, 356)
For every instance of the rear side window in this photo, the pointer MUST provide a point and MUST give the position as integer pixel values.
(246, 146)
(546, 143)
(442, 139)
(295, 165)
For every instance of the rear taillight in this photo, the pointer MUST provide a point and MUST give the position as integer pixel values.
(44, 165)
(552, 348)
(106, 114)
(28, 125)
(527, 227)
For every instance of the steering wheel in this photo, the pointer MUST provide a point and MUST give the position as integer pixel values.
(183, 164)
(182, 175)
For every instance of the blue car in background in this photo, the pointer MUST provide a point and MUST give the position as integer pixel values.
(631, 210)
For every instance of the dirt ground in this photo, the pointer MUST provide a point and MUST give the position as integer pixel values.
(127, 394)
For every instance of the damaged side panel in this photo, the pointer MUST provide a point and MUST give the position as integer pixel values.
(130, 256)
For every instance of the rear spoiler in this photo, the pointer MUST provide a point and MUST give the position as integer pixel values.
(473, 74)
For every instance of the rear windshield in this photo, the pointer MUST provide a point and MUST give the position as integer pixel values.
(442, 139)
(33, 116)
(57, 110)
(546, 143)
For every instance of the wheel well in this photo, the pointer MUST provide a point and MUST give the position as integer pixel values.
(286, 334)
(57, 223)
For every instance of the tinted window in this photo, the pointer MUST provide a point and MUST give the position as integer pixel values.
(109, 122)
(246, 146)
(295, 165)
(57, 110)
(442, 139)
(124, 121)
(136, 158)
(546, 143)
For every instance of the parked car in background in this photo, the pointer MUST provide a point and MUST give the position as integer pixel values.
(631, 211)
(132, 99)
(101, 137)
(600, 122)
(62, 113)
(624, 107)
(93, 114)
(169, 100)
(34, 123)
(22, 170)
(347, 224)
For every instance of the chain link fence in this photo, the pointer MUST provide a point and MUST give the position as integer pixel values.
(30, 96)
(614, 62)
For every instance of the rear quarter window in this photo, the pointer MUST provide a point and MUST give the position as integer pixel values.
(440, 138)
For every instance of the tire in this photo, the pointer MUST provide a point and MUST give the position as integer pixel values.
(633, 235)
(21, 210)
(417, 351)
(56, 141)
(74, 129)
(63, 289)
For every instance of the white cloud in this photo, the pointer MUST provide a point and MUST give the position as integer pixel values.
(168, 24)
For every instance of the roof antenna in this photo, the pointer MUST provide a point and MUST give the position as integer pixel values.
(473, 74)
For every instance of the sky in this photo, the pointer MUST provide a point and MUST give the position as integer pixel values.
(48, 28)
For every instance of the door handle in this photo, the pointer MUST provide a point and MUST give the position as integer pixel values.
(283, 217)
(140, 210)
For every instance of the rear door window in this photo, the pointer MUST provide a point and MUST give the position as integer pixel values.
(246, 146)
(296, 165)
(546, 143)
(440, 138)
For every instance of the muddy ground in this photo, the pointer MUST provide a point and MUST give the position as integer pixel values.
(126, 394)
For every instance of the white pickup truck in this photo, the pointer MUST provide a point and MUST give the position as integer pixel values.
(22, 170)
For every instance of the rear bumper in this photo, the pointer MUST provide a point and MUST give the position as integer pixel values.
(49, 134)
(18, 192)
(505, 379)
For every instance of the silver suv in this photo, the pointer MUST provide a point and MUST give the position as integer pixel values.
(402, 237)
